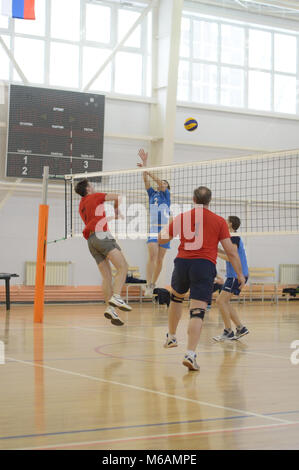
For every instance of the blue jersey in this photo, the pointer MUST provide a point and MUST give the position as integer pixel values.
(230, 272)
(159, 202)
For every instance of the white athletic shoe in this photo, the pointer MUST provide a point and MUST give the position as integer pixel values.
(112, 315)
(118, 302)
(225, 336)
(170, 342)
(148, 291)
(190, 362)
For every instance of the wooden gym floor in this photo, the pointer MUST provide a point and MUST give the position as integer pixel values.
(77, 382)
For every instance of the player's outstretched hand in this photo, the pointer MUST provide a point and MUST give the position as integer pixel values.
(144, 156)
(242, 281)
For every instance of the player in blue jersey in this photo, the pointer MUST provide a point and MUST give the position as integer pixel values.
(231, 287)
(159, 204)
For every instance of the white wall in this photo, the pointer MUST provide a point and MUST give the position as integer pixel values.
(19, 214)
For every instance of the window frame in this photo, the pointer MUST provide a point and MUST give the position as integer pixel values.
(247, 26)
(145, 50)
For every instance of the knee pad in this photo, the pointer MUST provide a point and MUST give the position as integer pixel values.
(197, 313)
(174, 298)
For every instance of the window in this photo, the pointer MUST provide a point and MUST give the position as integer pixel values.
(3, 22)
(93, 58)
(69, 41)
(64, 65)
(205, 40)
(204, 83)
(285, 94)
(259, 49)
(259, 90)
(183, 81)
(232, 45)
(237, 64)
(128, 73)
(29, 54)
(232, 87)
(285, 53)
(65, 19)
(126, 19)
(4, 60)
(185, 38)
(98, 25)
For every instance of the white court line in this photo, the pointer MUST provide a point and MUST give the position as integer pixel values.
(148, 390)
(124, 335)
(159, 436)
(260, 354)
(180, 342)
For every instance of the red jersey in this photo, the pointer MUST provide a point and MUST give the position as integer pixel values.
(200, 231)
(93, 214)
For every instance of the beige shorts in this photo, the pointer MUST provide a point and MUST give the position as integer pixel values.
(100, 244)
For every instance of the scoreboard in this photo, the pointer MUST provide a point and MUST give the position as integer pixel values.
(60, 129)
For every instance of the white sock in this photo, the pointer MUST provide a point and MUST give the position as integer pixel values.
(171, 336)
(191, 353)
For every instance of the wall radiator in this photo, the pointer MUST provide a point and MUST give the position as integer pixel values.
(289, 273)
(57, 273)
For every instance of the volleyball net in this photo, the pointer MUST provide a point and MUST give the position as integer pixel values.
(262, 190)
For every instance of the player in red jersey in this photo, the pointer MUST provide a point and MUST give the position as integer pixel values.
(103, 247)
(200, 231)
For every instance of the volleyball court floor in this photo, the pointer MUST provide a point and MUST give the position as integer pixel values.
(77, 382)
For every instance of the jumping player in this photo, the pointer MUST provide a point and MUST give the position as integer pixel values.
(195, 267)
(231, 286)
(159, 202)
(103, 246)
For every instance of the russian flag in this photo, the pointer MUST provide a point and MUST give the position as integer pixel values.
(23, 9)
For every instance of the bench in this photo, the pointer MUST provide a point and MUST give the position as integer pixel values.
(262, 281)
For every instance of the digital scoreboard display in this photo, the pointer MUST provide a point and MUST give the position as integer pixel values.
(60, 129)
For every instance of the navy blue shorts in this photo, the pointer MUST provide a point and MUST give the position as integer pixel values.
(231, 285)
(195, 274)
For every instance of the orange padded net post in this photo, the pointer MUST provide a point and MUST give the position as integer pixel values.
(41, 258)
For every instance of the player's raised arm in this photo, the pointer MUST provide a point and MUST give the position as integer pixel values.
(116, 199)
(144, 156)
(233, 257)
(158, 181)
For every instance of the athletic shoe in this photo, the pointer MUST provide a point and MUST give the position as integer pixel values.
(170, 343)
(226, 335)
(241, 332)
(149, 291)
(112, 315)
(190, 362)
(118, 302)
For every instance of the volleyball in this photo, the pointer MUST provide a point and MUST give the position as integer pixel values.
(191, 124)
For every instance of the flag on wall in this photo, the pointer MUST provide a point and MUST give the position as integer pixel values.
(23, 9)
